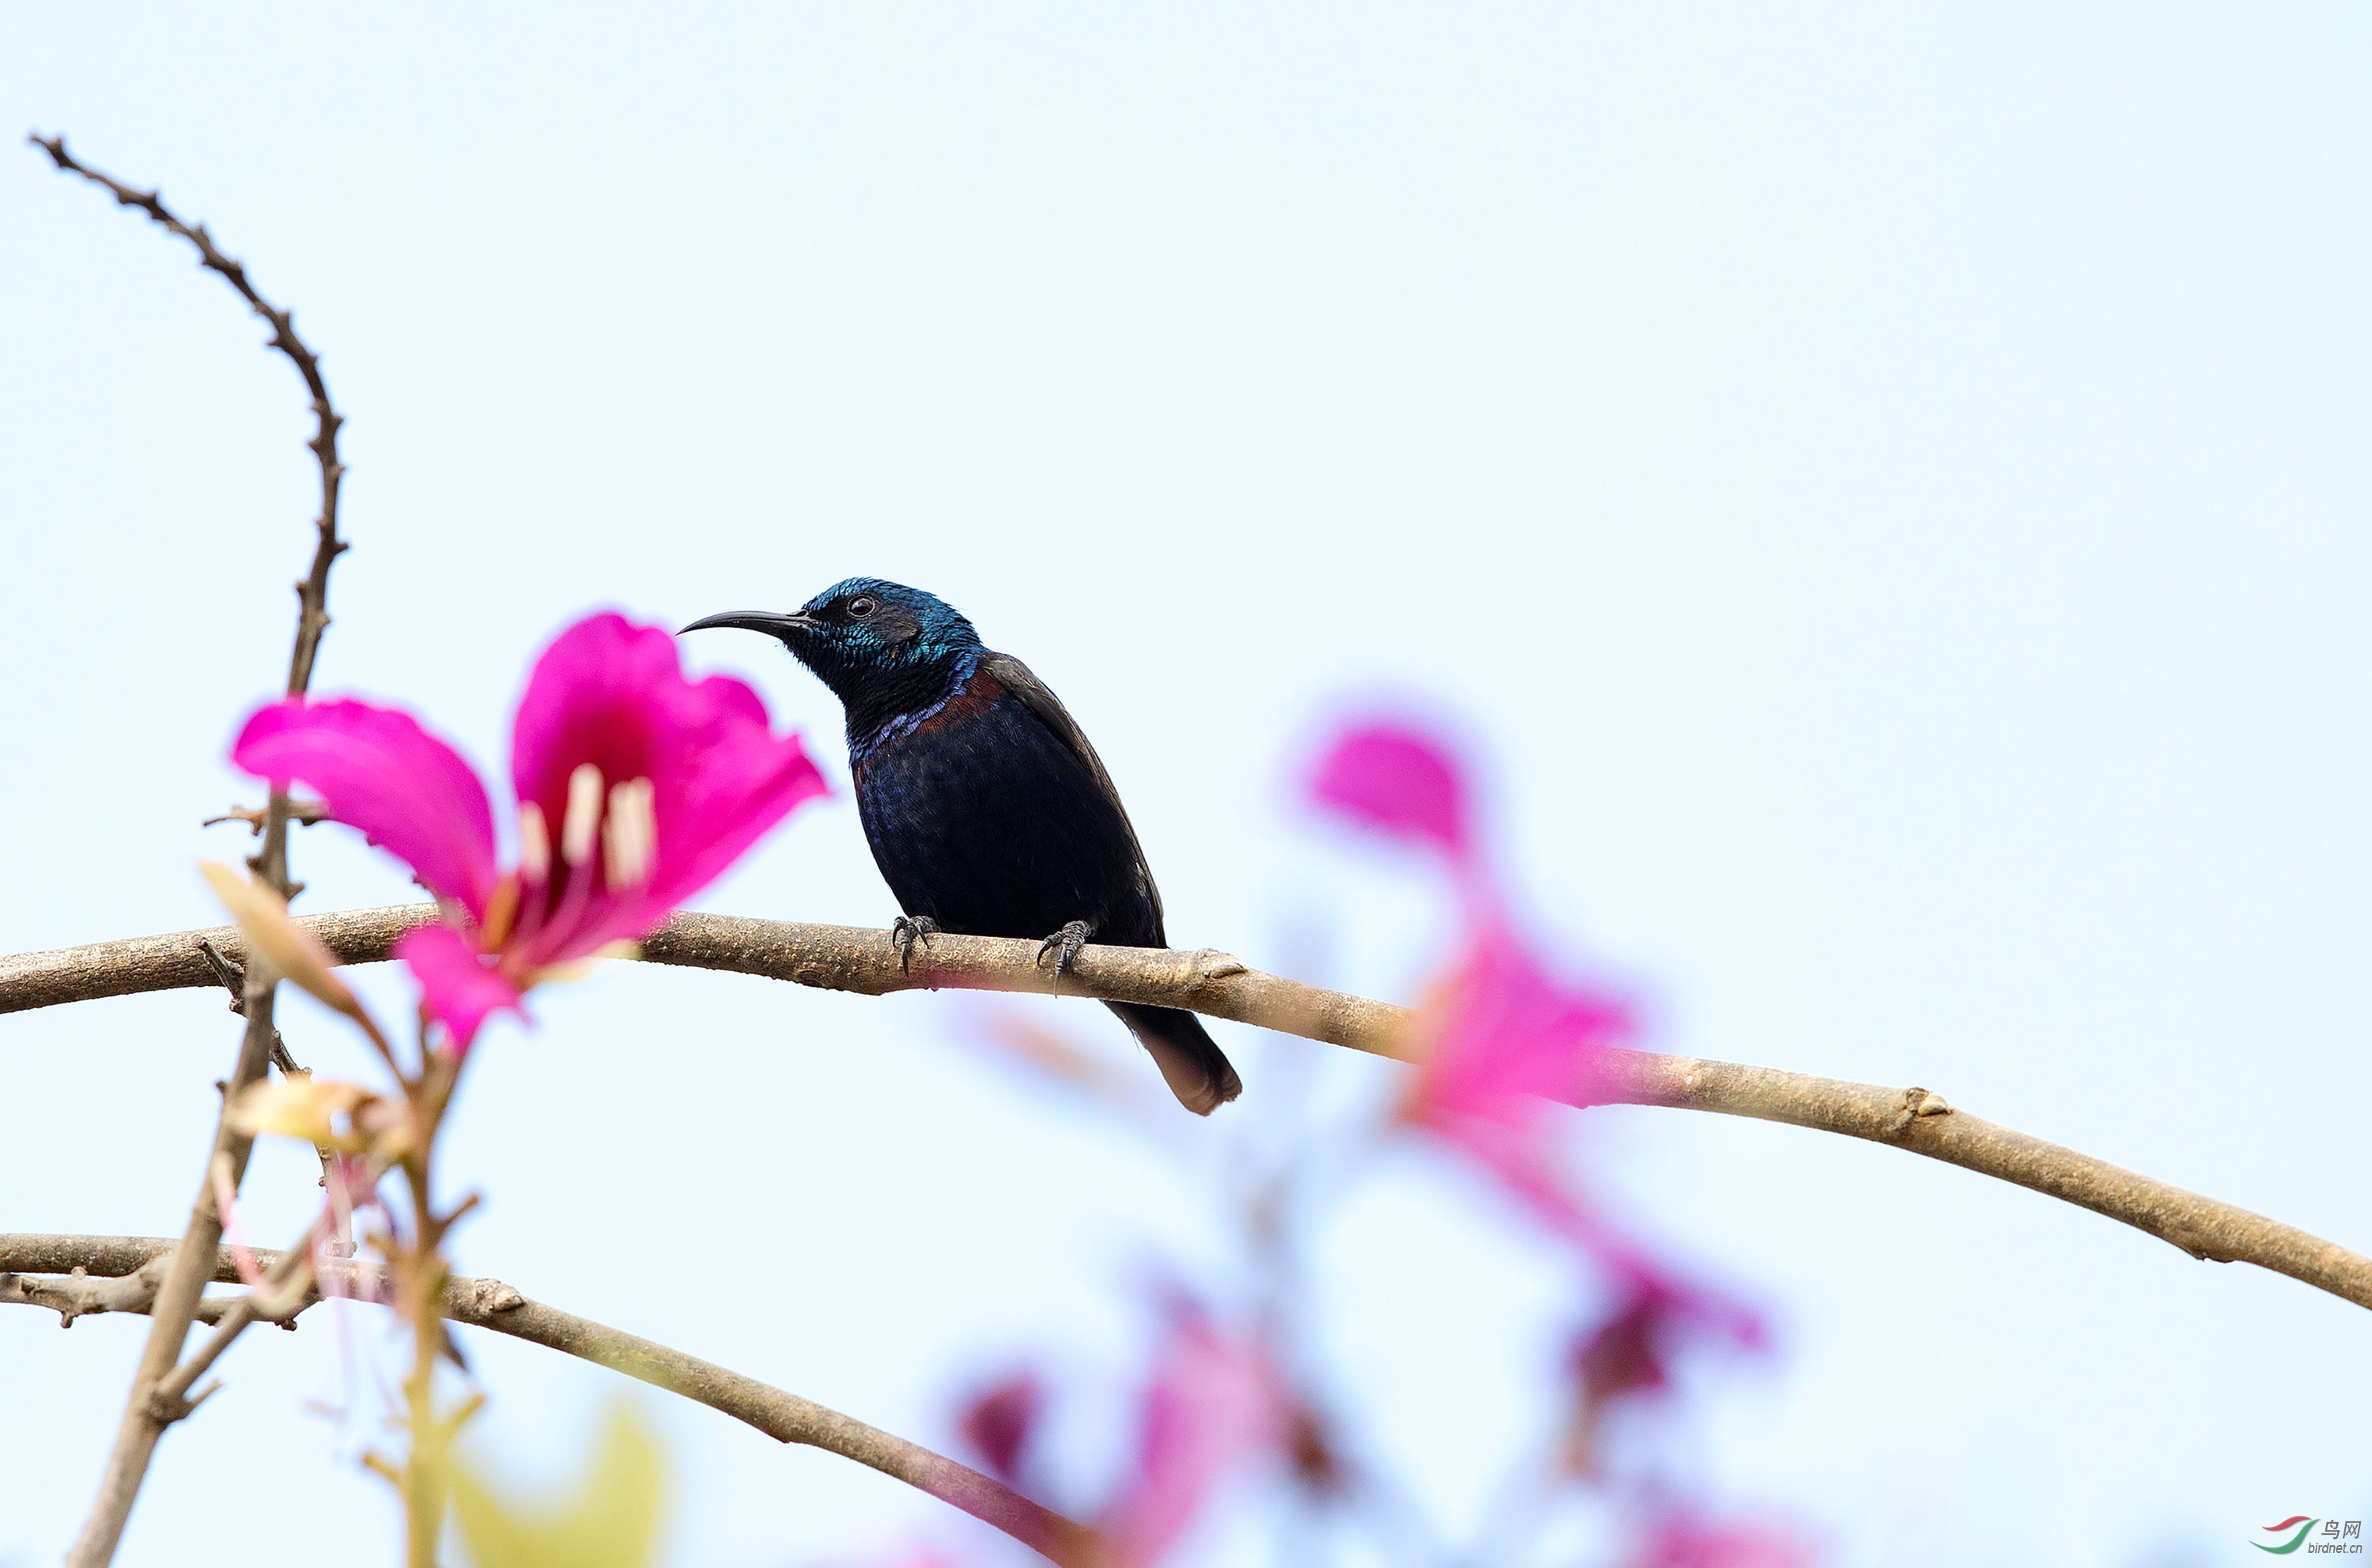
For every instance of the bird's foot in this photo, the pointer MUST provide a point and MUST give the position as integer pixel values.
(1065, 945)
(906, 931)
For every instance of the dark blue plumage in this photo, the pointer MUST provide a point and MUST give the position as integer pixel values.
(988, 812)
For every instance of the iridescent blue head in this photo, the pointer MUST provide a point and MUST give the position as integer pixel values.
(878, 646)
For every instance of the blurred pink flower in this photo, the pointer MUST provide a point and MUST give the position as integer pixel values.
(1213, 1401)
(1210, 1402)
(1501, 1039)
(1672, 1541)
(1393, 778)
(1495, 1043)
(1629, 1354)
(1501, 1036)
(1000, 1421)
(652, 783)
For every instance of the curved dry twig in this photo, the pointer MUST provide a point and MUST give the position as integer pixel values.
(119, 1273)
(849, 959)
(147, 1413)
(313, 591)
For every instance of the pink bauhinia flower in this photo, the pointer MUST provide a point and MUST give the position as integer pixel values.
(1677, 1542)
(1001, 1419)
(636, 788)
(1399, 780)
(1213, 1400)
(1500, 1037)
(1628, 1355)
(1498, 1040)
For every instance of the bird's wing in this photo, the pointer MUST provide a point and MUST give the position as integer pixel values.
(1016, 678)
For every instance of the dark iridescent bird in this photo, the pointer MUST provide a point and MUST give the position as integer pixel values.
(988, 812)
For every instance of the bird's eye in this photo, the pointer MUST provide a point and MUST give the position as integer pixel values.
(858, 608)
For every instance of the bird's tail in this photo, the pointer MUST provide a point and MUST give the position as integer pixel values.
(1191, 1060)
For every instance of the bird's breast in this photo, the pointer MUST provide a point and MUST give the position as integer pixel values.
(980, 818)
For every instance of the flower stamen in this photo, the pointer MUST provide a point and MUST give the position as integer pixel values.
(534, 876)
(578, 828)
(535, 845)
(502, 909)
(629, 835)
(646, 828)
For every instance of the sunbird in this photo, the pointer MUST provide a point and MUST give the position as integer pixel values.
(988, 812)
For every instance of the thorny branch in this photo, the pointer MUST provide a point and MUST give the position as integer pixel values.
(233, 976)
(847, 958)
(79, 1294)
(175, 1306)
(87, 1274)
(177, 1299)
(304, 812)
(313, 591)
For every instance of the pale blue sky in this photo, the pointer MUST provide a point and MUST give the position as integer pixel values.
(1888, 483)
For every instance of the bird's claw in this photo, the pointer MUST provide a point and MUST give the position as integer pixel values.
(1065, 945)
(907, 930)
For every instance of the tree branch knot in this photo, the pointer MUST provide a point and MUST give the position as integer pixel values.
(1211, 964)
(168, 1408)
(486, 1296)
(1917, 1102)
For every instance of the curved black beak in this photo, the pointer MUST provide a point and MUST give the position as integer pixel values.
(775, 623)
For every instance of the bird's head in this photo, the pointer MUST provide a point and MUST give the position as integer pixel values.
(864, 632)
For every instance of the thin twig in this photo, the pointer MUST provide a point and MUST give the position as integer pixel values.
(494, 1306)
(77, 1294)
(145, 1416)
(848, 959)
(313, 592)
(175, 1306)
(287, 1286)
(233, 975)
(304, 813)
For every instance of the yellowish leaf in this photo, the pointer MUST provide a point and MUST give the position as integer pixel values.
(610, 1518)
(296, 953)
(309, 1108)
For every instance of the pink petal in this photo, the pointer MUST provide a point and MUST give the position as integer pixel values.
(376, 770)
(1677, 1540)
(1506, 1038)
(457, 986)
(1396, 779)
(585, 703)
(612, 694)
(1000, 1421)
(1660, 1318)
(1508, 1033)
(1503, 1038)
(1212, 1401)
(736, 788)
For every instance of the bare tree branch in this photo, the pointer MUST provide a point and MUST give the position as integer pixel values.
(75, 1296)
(147, 1414)
(175, 1305)
(494, 1306)
(832, 958)
(305, 812)
(786, 1418)
(847, 958)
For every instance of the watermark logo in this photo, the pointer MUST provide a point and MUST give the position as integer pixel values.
(2290, 1535)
